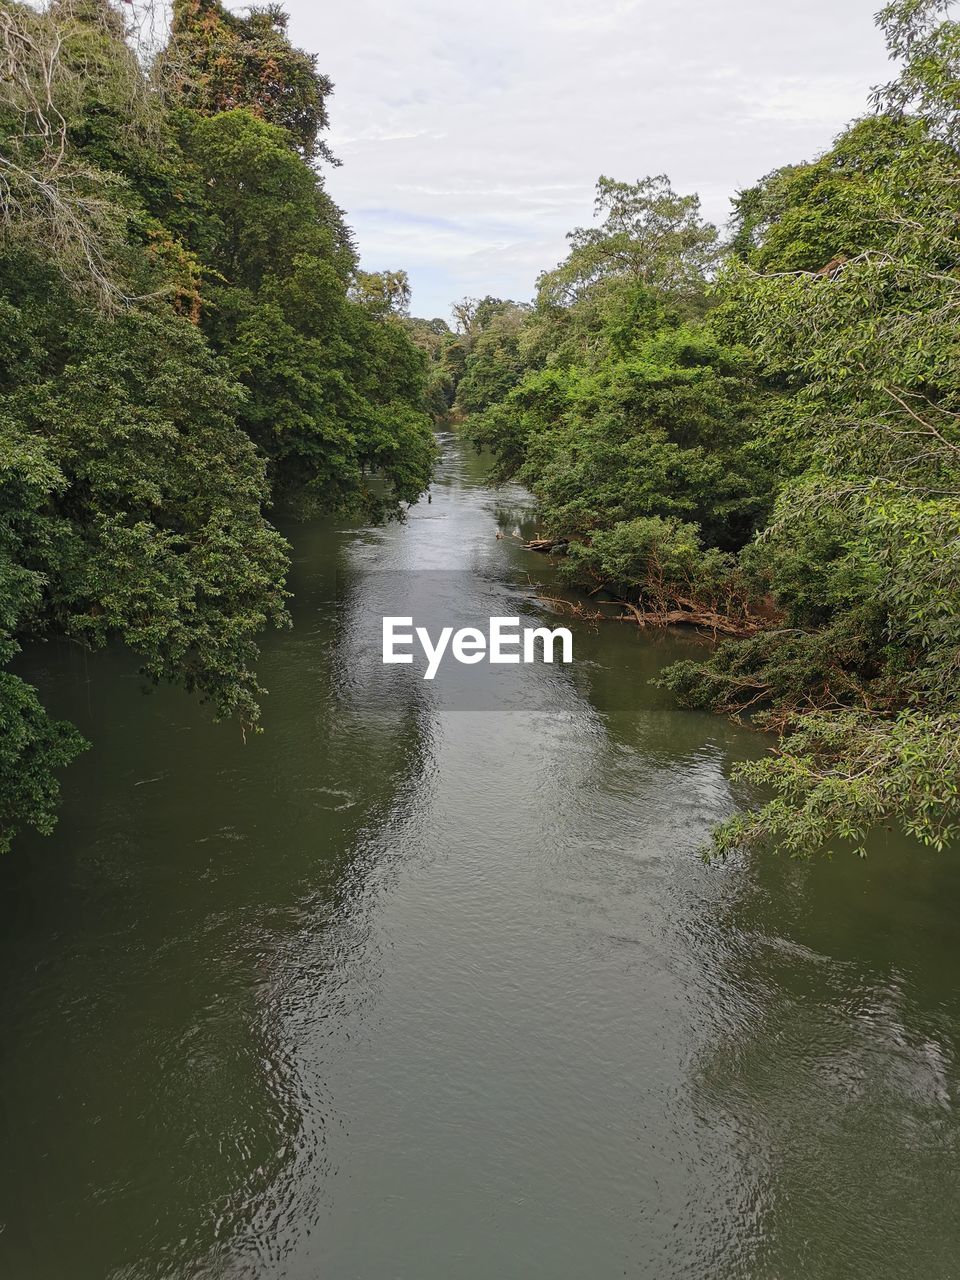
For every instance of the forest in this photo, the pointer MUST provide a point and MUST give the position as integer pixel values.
(187, 343)
(754, 430)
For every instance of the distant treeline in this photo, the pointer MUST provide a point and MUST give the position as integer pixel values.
(762, 432)
(185, 340)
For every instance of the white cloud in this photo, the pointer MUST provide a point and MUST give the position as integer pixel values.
(471, 137)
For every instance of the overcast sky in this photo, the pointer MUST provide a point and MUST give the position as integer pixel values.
(471, 135)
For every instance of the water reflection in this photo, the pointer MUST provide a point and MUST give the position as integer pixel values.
(833, 1063)
(153, 1105)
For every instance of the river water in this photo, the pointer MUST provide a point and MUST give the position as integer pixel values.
(430, 981)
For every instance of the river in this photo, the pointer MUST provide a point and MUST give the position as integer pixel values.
(430, 981)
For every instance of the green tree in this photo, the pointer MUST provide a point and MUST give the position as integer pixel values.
(649, 235)
(494, 363)
(221, 61)
(335, 387)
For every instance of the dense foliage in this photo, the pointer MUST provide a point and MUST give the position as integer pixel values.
(772, 438)
(185, 338)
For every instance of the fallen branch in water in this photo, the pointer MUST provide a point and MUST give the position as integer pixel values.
(675, 610)
(693, 616)
(546, 545)
(574, 608)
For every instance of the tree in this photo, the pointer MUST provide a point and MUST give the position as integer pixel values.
(446, 355)
(666, 431)
(53, 198)
(154, 530)
(382, 293)
(493, 363)
(649, 236)
(334, 386)
(221, 61)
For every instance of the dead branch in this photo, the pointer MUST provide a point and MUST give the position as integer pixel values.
(572, 607)
(692, 616)
(49, 199)
(546, 545)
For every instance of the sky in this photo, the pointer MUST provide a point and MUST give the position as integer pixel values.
(472, 135)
